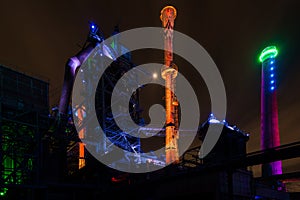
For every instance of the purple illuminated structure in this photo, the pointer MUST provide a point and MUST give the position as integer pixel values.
(269, 112)
(70, 72)
(75, 62)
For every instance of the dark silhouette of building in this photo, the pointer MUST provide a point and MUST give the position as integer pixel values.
(23, 120)
(231, 143)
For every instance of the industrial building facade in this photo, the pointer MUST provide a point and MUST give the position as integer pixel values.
(23, 120)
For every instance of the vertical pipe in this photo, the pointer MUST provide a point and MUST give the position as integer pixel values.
(70, 73)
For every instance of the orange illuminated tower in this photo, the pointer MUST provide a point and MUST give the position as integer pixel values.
(169, 73)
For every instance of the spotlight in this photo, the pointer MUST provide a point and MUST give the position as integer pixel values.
(93, 28)
(95, 35)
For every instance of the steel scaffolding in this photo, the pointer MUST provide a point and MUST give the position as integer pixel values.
(23, 119)
(104, 89)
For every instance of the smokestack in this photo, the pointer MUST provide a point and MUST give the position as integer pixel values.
(269, 111)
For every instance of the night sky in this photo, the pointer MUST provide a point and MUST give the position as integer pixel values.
(37, 38)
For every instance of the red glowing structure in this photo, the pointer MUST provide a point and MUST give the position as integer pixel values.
(169, 73)
(269, 111)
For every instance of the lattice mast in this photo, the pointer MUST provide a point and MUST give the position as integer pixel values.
(169, 73)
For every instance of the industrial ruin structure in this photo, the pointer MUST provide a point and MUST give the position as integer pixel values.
(113, 134)
(43, 156)
(23, 122)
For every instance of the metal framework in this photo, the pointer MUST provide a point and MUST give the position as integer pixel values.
(106, 85)
(169, 73)
(23, 117)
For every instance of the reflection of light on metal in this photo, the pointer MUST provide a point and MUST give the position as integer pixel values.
(109, 52)
(214, 121)
(81, 156)
(156, 162)
(81, 114)
(74, 62)
(175, 103)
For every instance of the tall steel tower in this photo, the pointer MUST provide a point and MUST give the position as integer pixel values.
(269, 112)
(169, 73)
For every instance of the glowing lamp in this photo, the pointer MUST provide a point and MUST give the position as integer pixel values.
(268, 52)
(93, 27)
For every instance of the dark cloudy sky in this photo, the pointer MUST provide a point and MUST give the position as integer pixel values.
(37, 37)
